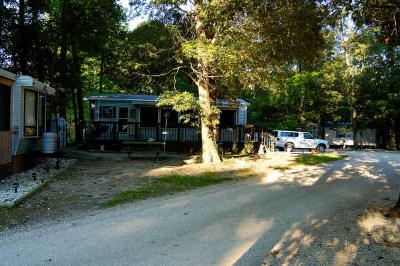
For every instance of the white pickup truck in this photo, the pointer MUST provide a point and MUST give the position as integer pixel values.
(289, 140)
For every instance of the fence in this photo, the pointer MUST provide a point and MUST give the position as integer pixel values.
(139, 131)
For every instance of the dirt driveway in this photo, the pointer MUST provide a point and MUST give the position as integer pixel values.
(97, 176)
(316, 216)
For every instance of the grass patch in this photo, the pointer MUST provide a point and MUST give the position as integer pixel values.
(166, 185)
(281, 167)
(317, 158)
(245, 172)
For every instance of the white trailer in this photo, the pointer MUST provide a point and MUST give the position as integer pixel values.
(336, 137)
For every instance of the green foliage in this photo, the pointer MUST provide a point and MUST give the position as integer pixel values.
(248, 148)
(318, 158)
(182, 102)
(167, 185)
(189, 107)
(235, 148)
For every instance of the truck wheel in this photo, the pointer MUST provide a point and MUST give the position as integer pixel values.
(321, 148)
(289, 147)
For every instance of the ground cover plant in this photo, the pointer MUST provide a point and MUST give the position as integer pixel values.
(167, 185)
(317, 159)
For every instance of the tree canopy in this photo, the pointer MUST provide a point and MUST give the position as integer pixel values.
(297, 62)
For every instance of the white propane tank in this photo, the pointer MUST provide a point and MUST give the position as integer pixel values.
(49, 142)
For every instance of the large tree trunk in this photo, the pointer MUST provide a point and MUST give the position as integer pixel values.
(354, 126)
(392, 134)
(391, 54)
(62, 94)
(22, 43)
(209, 148)
(76, 123)
(397, 206)
(79, 95)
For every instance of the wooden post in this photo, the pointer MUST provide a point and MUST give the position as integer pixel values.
(178, 133)
(136, 136)
(158, 132)
(240, 134)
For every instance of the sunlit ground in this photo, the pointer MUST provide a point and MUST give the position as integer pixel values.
(291, 214)
(353, 235)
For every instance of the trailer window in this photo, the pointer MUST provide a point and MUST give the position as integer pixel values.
(30, 107)
(107, 112)
(41, 113)
(34, 113)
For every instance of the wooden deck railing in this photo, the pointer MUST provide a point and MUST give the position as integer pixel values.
(118, 131)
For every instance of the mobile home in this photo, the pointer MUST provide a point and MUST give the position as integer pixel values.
(136, 117)
(337, 136)
(24, 117)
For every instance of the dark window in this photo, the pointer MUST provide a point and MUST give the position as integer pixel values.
(171, 115)
(123, 119)
(227, 118)
(41, 113)
(123, 113)
(148, 116)
(132, 115)
(108, 112)
(340, 135)
(308, 136)
(4, 108)
(289, 134)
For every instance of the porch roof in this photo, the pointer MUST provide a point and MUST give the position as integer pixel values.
(7, 74)
(27, 81)
(150, 99)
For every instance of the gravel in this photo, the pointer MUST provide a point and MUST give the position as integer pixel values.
(18, 186)
(314, 217)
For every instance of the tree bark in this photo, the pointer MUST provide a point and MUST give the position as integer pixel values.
(79, 97)
(391, 54)
(392, 134)
(79, 94)
(209, 148)
(22, 43)
(354, 127)
(74, 106)
(397, 206)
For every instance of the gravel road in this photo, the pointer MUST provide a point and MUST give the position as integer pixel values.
(233, 223)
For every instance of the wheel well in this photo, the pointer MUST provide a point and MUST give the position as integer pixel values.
(321, 144)
(289, 143)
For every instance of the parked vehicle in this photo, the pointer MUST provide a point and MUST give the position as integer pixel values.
(289, 140)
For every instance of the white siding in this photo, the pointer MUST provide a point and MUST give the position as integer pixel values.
(17, 121)
(366, 137)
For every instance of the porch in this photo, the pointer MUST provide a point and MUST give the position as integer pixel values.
(103, 132)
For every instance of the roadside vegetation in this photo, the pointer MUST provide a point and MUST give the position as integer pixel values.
(170, 184)
(92, 184)
(167, 185)
(317, 159)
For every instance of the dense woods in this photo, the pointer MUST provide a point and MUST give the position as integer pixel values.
(296, 62)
